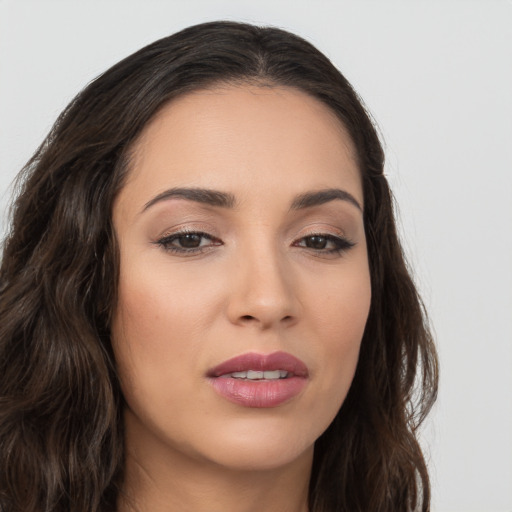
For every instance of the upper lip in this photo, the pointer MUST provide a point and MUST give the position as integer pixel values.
(261, 362)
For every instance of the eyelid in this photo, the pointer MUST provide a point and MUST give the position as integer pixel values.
(320, 228)
(188, 227)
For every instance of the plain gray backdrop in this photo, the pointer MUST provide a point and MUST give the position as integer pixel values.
(437, 77)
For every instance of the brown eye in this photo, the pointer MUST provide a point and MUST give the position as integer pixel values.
(316, 242)
(325, 244)
(188, 243)
(189, 240)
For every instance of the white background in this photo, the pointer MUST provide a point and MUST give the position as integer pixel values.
(437, 77)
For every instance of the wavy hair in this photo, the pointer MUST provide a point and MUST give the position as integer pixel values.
(61, 427)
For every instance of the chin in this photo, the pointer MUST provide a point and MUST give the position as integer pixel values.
(248, 457)
(261, 445)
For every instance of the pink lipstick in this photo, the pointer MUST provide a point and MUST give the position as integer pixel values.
(259, 380)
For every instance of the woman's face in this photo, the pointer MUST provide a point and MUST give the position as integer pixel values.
(244, 283)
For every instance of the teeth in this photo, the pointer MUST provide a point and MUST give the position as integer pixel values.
(258, 375)
(239, 375)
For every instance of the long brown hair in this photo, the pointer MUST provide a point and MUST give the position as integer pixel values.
(61, 430)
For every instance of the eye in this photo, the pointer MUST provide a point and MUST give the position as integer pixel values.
(325, 243)
(188, 242)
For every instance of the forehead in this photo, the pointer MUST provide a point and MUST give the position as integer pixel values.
(244, 137)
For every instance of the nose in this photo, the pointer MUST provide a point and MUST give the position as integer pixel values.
(263, 291)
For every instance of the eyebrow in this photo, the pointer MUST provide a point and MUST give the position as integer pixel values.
(310, 199)
(226, 200)
(198, 195)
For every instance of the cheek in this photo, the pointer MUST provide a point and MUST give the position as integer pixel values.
(345, 318)
(159, 310)
(152, 332)
(339, 317)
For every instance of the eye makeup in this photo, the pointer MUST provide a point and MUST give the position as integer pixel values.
(189, 242)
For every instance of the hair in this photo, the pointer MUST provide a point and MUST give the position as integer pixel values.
(61, 426)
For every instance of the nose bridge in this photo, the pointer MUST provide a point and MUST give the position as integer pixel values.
(262, 286)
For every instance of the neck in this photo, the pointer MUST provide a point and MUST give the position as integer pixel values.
(159, 478)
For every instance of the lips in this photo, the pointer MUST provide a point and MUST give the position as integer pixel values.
(259, 380)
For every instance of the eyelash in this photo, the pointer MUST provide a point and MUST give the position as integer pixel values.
(341, 244)
(166, 241)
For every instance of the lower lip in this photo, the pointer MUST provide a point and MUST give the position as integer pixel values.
(258, 393)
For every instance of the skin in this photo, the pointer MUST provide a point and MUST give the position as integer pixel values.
(256, 285)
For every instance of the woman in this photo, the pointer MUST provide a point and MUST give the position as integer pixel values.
(204, 303)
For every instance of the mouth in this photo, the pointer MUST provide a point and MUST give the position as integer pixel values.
(257, 375)
(259, 380)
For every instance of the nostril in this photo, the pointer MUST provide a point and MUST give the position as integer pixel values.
(250, 318)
